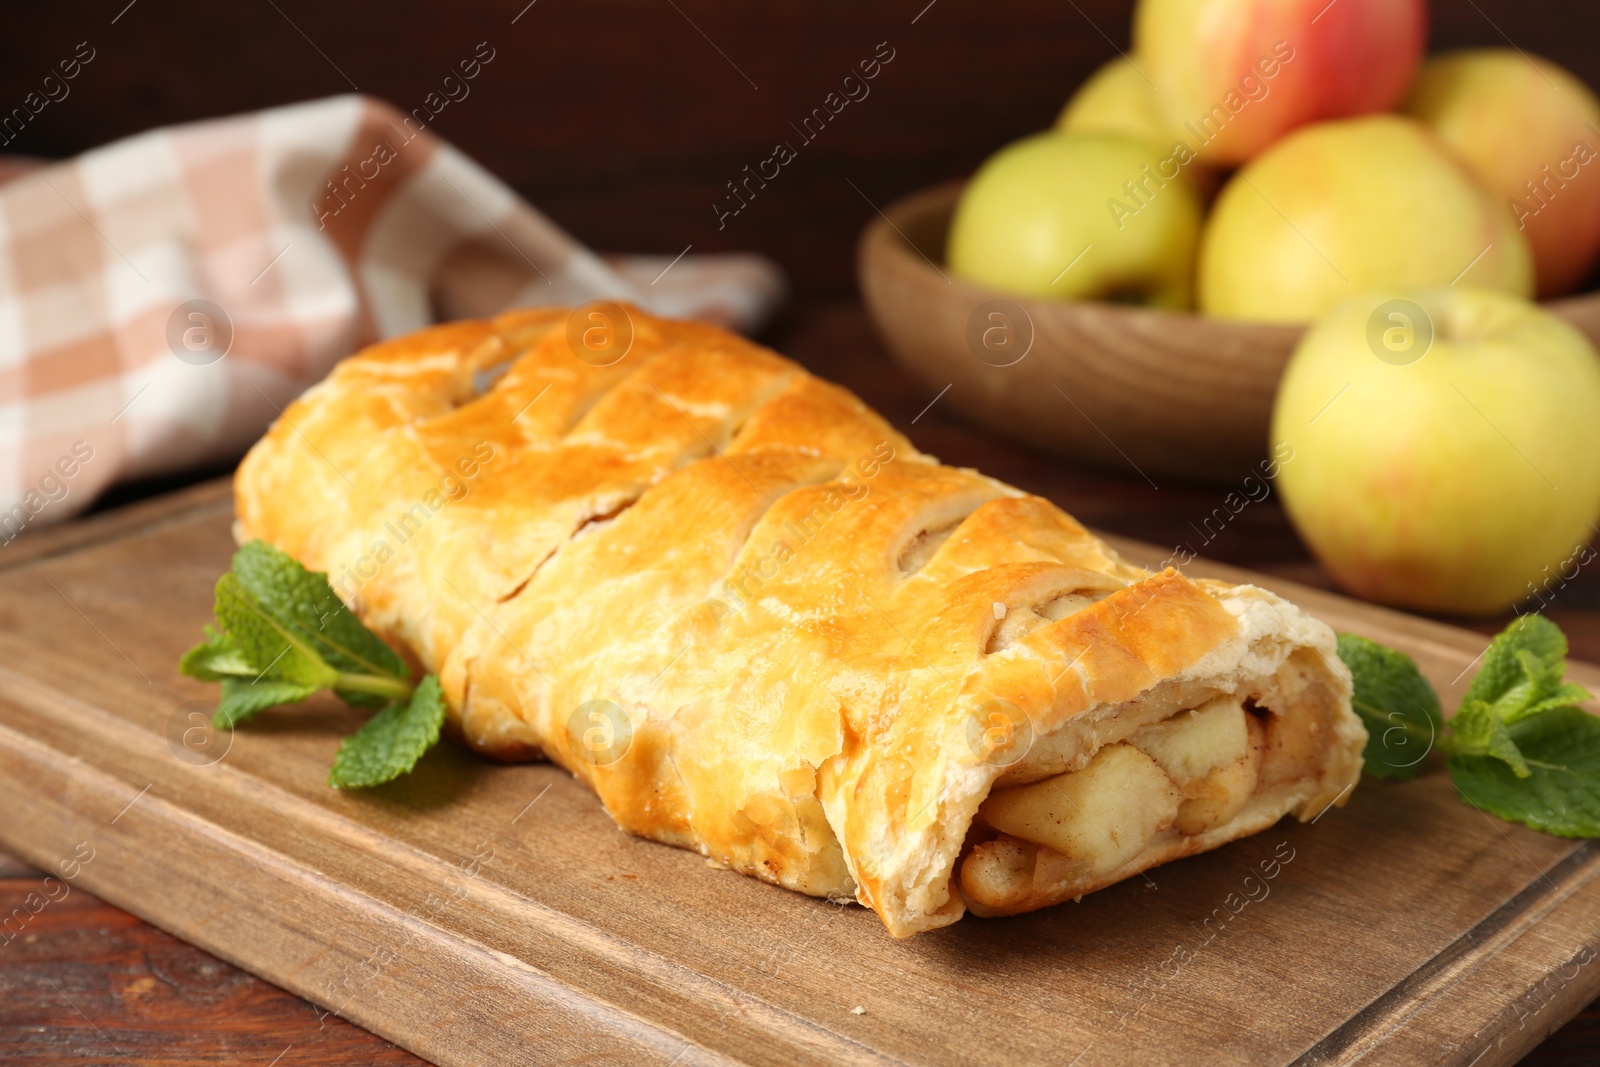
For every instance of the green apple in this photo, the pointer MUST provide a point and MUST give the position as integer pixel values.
(1338, 208)
(1080, 216)
(1446, 447)
(1116, 99)
(1532, 131)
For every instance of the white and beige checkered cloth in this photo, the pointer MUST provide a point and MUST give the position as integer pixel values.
(163, 297)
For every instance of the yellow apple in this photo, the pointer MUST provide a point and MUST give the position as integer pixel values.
(1446, 446)
(1532, 131)
(1338, 208)
(1079, 216)
(1235, 75)
(1116, 99)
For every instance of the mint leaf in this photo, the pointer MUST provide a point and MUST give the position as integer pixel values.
(1560, 795)
(241, 699)
(1563, 697)
(1396, 704)
(215, 659)
(1478, 731)
(390, 744)
(1523, 669)
(264, 642)
(306, 604)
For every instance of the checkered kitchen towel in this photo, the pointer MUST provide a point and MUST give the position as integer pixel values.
(163, 297)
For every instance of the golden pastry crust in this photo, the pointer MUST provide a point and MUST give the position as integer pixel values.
(746, 611)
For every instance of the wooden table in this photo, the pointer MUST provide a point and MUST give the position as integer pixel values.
(86, 983)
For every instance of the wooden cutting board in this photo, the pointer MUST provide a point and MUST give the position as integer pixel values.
(483, 914)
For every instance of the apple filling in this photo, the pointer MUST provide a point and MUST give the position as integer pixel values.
(1170, 788)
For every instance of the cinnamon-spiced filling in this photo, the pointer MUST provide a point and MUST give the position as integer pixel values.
(1171, 780)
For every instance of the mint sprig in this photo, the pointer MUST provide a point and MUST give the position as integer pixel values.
(282, 634)
(1518, 747)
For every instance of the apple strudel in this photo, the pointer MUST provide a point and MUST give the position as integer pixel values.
(760, 624)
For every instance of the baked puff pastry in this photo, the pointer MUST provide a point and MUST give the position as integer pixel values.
(760, 624)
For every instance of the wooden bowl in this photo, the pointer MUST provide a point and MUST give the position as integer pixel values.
(1159, 393)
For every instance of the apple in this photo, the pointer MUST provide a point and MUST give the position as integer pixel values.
(1080, 216)
(1117, 98)
(1341, 207)
(1445, 446)
(1532, 131)
(1236, 75)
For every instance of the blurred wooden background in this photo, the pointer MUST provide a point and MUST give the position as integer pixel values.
(624, 119)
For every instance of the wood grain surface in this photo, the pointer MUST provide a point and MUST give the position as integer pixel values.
(477, 908)
(84, 983)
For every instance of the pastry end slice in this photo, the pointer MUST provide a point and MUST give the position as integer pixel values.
(1191, 765)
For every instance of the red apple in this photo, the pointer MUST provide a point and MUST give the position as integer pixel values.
(1532, 131)
(1233, 76)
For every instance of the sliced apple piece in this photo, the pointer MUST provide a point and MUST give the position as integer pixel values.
(1192, 744)
(1104, 814)
(999, 873)
(1222, 794)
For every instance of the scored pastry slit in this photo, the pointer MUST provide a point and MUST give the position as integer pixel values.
(604, 509)
(1013, 624)
(921, 548)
